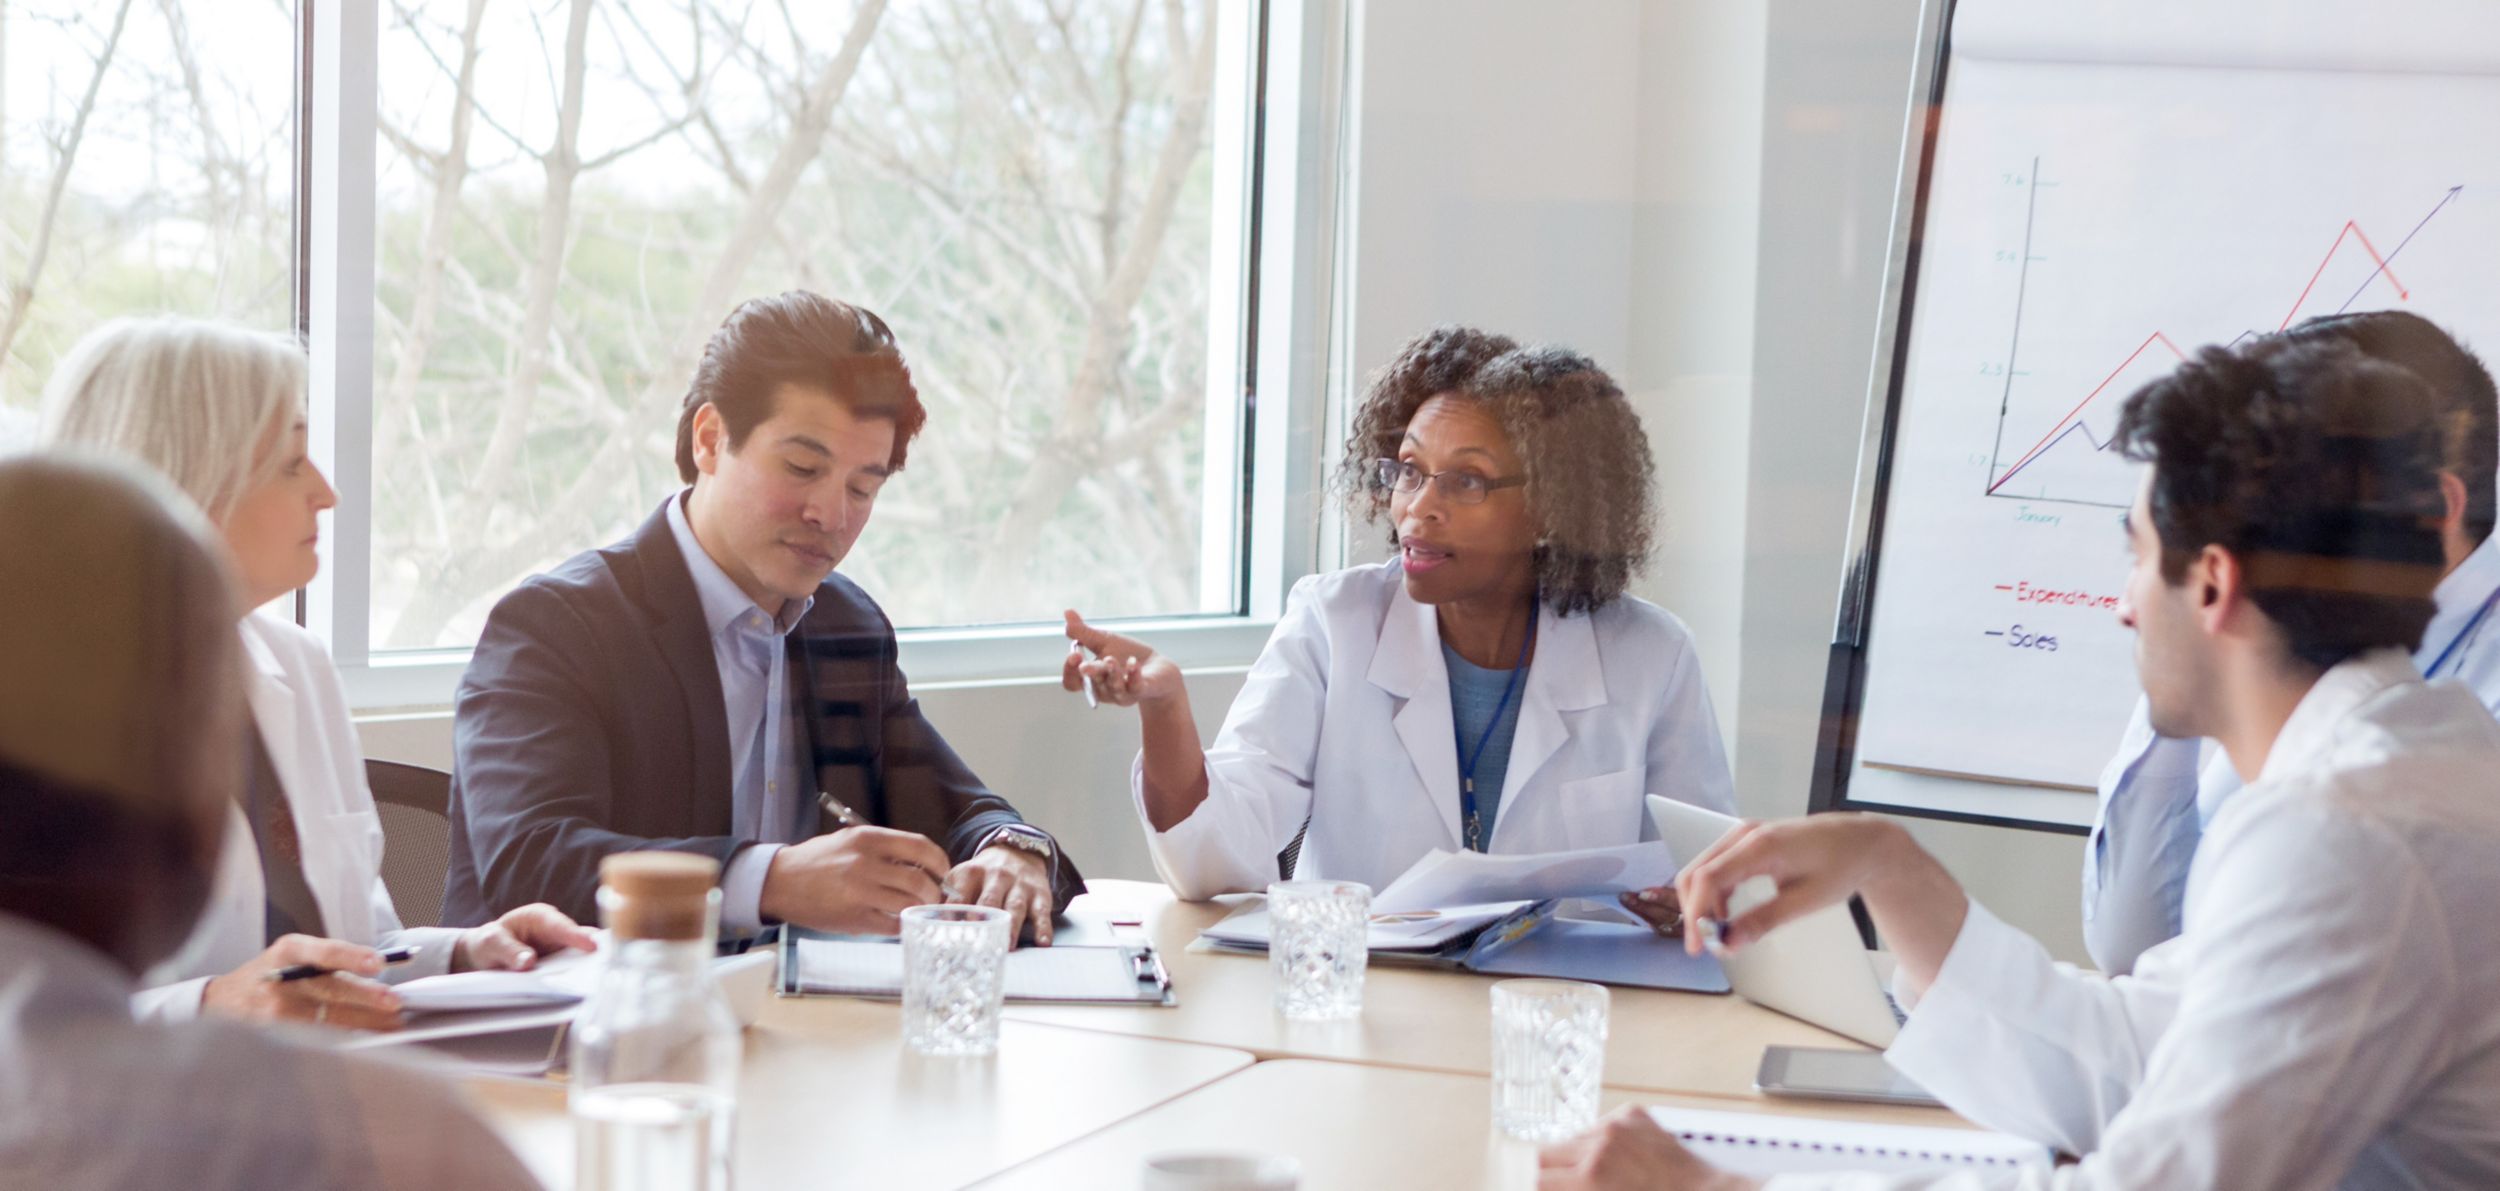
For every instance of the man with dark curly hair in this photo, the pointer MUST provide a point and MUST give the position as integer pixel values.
(1491, 687)
(2326, 1019)
(2158, 791)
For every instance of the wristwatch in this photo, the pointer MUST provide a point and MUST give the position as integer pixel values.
(1025, 838)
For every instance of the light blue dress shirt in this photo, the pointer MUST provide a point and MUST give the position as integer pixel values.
(2158, 792)
(771, 795)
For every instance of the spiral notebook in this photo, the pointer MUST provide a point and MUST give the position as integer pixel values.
(1757, 1144)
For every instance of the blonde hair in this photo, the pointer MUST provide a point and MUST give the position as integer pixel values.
(195, 399)
(117, 613)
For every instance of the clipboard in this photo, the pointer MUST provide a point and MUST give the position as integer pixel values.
(817, 964)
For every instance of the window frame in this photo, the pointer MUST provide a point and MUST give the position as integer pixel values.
(1279, 128)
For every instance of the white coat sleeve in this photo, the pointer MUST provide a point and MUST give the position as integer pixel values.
(2020, 1043)
(2290, 1027)
(1687, 757)
(1259, 770)
(178, 1001)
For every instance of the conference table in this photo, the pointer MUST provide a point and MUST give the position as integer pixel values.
(1425, 1018)
(1077, 1095)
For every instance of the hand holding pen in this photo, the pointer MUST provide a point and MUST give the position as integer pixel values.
(339, 987)
(856, 878)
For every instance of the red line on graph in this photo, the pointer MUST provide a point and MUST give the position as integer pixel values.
(2350, 228)
(2149, 340)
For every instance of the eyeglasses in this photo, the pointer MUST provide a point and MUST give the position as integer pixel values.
(1457, 487)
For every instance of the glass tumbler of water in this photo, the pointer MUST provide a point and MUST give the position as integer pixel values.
(1549, 1052)
(655, 1048)
(1316, 947)
(954, 976)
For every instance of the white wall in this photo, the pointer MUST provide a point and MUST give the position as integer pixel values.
(1494, 146)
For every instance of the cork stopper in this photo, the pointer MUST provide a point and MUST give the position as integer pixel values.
(657, 895)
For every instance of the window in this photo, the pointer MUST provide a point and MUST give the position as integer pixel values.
(1044, 199)
(147, 164)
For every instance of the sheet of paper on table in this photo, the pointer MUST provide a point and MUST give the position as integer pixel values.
(1444, 878)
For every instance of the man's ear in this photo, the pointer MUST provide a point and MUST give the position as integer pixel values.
(2221, 586)
(2452, 500)
(710, 438)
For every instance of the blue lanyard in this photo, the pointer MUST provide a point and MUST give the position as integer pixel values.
(1467, 770)
(2463, 635)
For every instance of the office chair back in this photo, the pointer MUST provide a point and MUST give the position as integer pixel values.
(415, 804)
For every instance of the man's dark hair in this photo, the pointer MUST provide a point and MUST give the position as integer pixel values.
(804, 339)
(2455, 377)
(2318, 468)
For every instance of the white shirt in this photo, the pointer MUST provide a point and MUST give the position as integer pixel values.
(91, 1099)
(2158, 792)
(2330, 1017)
(769, 786)
(300, 712)
(1344, 721)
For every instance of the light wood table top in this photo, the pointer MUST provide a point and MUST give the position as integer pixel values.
(1423, 1018)
(830, 1097)
(1352, 1126)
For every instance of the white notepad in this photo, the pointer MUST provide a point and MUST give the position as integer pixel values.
(866, 968)
(1756, 1144)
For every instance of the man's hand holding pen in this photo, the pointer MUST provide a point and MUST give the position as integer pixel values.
(857, 880)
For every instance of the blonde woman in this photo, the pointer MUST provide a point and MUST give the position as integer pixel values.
(219, 410)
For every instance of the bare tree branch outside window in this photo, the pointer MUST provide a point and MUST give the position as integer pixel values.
(574, 192)
(146, 165)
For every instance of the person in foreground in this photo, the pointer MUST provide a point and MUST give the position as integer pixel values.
(121, 720)
(1492, 687)
(220, 410)
(2158, 791)
(709, 684)
(2326, 1018)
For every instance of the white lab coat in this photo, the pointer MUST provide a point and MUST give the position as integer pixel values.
(1345, 720)
(301, 714)
(2326, 1020)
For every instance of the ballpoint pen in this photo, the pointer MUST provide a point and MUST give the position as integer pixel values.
(839, 811)
(396, 955)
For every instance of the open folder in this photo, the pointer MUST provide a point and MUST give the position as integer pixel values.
(1500, 914)
(1526, 938)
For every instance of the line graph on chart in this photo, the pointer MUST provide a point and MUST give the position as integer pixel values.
(2068, 460)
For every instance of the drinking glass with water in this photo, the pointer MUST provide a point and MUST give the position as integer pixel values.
(655, 1049)
(1549, 1054)
(1318, 947)
(954, 978)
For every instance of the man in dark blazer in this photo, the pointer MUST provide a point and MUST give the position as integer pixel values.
(709, 685)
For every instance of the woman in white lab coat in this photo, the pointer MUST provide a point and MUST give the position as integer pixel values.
(1490, 687)
(220, 411)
